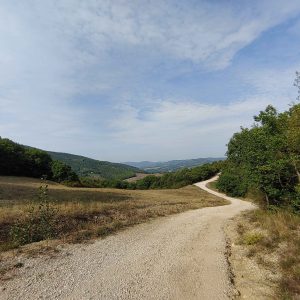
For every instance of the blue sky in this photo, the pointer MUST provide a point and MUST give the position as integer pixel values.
(143, 80)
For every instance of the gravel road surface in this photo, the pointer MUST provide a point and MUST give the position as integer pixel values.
(177, 257)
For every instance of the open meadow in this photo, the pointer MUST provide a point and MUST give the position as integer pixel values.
(83, 213)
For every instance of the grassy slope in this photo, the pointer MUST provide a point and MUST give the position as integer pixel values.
(84, 166)
(87, 213)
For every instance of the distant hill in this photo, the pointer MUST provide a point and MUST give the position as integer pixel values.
(85, 166)
(172, 165)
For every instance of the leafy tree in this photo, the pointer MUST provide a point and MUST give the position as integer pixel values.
(62, 172)
(266, 157)
(293, 138)
(12, 158)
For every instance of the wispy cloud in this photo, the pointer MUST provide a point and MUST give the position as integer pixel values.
(204, 32)
(65, 65)
(172, 127)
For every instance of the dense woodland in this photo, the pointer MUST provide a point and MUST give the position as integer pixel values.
(265, 159)
(18, 160)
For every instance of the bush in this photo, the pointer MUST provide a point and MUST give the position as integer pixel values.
(252, 238)
(39, 223)
(232, 183)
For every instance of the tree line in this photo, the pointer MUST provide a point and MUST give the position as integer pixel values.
(171, 180)
(265, 159)
(18, 160)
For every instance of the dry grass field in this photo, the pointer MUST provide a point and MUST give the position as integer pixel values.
(85, 213)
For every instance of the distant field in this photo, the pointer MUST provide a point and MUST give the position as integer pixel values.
(139, 176)
(84, 213)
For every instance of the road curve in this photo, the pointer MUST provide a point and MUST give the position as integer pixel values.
(177, 257)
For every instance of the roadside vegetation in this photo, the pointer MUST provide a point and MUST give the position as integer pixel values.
(271, 239)
(263, 163)
(30, 213)
(265, 160)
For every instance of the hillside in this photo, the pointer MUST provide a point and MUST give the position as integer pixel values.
(19, 160)
(85, 166)
(172, 165)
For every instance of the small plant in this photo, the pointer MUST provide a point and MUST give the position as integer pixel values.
(39, 223)
(252, 238)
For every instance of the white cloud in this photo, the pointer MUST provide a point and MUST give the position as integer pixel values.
(204, 32)
(52, 52)
(275, 84)
(173, 127)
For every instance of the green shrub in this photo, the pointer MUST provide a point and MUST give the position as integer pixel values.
(62, 172)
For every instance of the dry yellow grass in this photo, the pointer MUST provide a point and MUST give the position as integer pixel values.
(84, 213)
(275, 234)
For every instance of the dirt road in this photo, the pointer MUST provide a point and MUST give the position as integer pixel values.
(176, 257)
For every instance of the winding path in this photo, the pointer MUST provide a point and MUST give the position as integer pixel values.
(177, 257)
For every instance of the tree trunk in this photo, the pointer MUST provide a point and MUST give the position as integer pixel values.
(267, 199)
(297, 171)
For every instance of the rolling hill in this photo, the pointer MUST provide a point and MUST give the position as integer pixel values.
(85, 166)
(172, 165)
